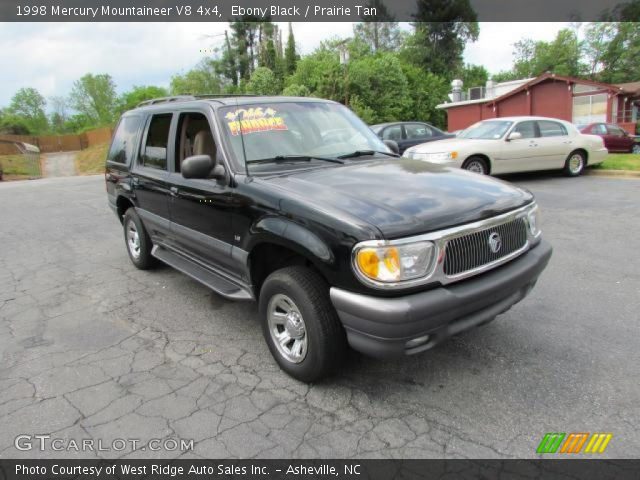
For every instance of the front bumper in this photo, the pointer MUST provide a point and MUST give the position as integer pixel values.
(389, 327)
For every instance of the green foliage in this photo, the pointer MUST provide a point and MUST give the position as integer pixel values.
(441, 31)
(200, 80)
(11, 124)
(473, 76)
(380, 84)
(612, 50)
(263, 82)
(290, 56)
(380, 33)
(27, 106)
(94, 96)
(561, 56)
(138, 94)
(321, 73)
(296, 90)
(427, 91)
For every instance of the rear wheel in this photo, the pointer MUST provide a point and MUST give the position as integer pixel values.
(137, 240)
(476, 165)
(300, 325)
(575, 164)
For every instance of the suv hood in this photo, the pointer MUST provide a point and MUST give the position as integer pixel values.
(403, 197)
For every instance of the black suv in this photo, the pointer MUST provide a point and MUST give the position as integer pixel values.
(295, 203)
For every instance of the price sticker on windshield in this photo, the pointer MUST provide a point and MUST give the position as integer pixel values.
(252, 120)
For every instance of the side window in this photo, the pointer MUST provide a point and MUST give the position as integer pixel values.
(154, 151)
(123, 143)
(599, 129)
(551, 129)
(527, 129)
(194, 137)
(392, 133)
(617, 131)
(417, 130)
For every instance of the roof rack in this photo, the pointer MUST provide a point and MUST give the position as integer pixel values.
(188, 97)
(176, 98)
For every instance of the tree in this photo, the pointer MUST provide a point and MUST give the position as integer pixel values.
(59, 115)
(138, 94)
(28, 104)
(263, 82)
(202, 79)
(441, 31)
(94, 96)
(473, 76)
(290, 57)
(382, 32)
(611, 51)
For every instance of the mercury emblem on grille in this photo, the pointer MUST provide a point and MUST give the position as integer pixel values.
(495, 242)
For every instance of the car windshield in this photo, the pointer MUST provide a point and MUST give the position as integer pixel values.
(489, 130)
(259, 132)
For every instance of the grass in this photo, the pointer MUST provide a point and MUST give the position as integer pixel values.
(620, 161)
(91, 160)
(19, 166)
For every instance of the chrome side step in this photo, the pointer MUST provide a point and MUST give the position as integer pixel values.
(214, 281)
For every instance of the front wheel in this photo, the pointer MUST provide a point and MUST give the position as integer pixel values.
(636, 148)
(300, 325)
(575, 164)
(476, 165)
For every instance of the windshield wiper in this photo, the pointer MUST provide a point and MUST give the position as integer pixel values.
(294, 158)
(362, 153)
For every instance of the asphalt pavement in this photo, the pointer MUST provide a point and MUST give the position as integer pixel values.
(93, 349)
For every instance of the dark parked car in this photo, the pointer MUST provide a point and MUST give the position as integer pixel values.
(615, 138)
(296, 204)
(409, 134)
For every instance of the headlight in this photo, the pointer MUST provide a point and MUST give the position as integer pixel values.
(388, 263)
(435, 157)
(533, 219)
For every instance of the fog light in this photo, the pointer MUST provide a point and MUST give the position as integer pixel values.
(416, 342)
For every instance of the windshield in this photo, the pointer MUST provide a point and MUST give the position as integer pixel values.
(312, 129)
(489, 130)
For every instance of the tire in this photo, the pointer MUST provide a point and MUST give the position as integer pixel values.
(636, 148)
(575, 164)
(295, 306)
(136, 234)
(476, 165)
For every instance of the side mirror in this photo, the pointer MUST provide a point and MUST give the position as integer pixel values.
(201, 166)
(514, 136)
(393, 146)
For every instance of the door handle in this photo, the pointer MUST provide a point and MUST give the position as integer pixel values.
(174, 191)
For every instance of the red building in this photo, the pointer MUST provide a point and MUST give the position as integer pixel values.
(549, 95)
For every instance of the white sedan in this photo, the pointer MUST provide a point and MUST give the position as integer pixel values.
(515, 144)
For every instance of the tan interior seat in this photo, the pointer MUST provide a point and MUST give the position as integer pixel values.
(203, 144)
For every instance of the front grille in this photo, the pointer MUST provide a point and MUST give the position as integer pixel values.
(473, 250)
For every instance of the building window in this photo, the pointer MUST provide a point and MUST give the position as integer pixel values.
(590, 109)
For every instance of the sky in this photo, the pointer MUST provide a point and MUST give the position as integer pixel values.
(50, 56)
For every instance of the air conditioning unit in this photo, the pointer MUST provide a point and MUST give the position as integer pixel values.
(476, 93)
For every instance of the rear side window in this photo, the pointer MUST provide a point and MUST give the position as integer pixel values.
(551, 129)
(417, 130)
(123, 143)
(154, 152)
(599, 129)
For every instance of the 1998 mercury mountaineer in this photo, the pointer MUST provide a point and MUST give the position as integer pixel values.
(297, 204)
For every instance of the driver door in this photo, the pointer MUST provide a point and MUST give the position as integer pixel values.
(521, 154)
(200, 208)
